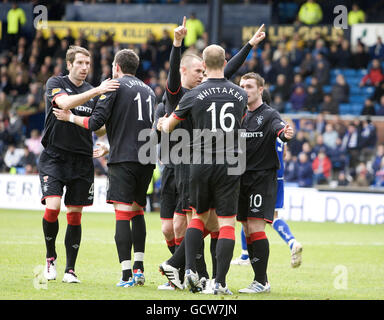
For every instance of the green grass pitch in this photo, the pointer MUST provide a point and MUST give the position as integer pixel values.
(340, 262)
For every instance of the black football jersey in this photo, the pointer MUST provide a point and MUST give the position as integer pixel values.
(216, 105)
(62, 135)
(262, 126)
(125, 112)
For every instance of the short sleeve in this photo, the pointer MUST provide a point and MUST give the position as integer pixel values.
(184, 107)
(54, 89)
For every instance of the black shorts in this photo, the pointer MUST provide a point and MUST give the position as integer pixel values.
(75, 172)
(182, 187)
(212, 187)
(258, 190)
(128, 183)
(168, 193)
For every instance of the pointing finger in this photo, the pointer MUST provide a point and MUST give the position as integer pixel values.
(184, 21)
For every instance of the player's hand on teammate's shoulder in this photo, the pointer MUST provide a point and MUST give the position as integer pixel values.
(101, 150)
(258, 36)
(108, 85)
(179, 33)
(61, 114)
(288, 132)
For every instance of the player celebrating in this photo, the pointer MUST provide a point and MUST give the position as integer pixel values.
(125, 113)
(211, 181)
(278, 224)
(258, 184)
(67, 158)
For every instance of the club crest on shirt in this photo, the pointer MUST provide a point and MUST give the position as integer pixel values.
(102, 97)
(259, 120)
(56, 90)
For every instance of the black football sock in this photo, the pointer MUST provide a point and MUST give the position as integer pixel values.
(138, 240)
(50, 229)
(193, 241)
(224, 252)
(214, 236)
(201, 266)
(259, 256)
(72, 239)
(123, 240)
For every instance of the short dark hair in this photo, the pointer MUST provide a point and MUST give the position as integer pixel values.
(128, 61)
(73, 50)
(255, 76)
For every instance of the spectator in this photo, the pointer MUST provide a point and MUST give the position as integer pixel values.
(320, 145)
(344, 55)
(278, 103)
(368, 140)
(379, 175)
(13, 156)
(285, 68)
(376, 163)
(377, 50)
(268, 72)
(298, 98)
(34, 143)
(320, 47)
(374, 76)
(329, 106)
(330, 136)
(308, 150)
(351, 145)
(356, 15)
(297, 81)
(296, 144)
(342, 180)
(363, 177)
(368, 108)
(310, 13)
(340, 90)
(307, 66)
(312, 100)
(5, 104)
(304, 171)
(15, 19)
(282, 88)
(290, 167)
(338, 157)
(28, 161)
(359, 58)
(380, 107)
(321, 71)
(379, 91)
(195, 30)
(321, 167)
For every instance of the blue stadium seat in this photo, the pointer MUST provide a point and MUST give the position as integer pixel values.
(327, 88)
(356, 108)
(344, 108)
(357, 98)
(348, 72)
(361, 72)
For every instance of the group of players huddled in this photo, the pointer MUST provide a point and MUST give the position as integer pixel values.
(197, 198)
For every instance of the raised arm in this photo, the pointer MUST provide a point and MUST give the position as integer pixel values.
(174, 78)
(235, 63)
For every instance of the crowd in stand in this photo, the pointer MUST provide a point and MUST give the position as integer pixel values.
(323, 150)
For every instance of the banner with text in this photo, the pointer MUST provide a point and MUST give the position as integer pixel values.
(277, 33)
(300, 204)
(133, 33)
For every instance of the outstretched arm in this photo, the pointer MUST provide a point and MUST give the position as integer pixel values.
(235, 63)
